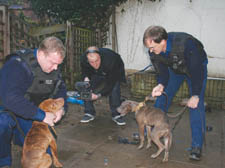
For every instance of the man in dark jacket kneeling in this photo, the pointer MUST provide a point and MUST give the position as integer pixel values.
(104, 70)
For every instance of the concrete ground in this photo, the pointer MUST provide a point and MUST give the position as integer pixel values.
(96, 145)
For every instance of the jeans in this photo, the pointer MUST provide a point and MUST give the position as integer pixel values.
(197, 115)
(114, 102)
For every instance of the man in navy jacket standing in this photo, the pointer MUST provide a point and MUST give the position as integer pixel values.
(27, 78)
(178, 56)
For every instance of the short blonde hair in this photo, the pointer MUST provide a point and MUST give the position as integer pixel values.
(53, 44)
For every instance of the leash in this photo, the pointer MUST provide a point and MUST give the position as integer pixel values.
(140, 70)
(176, 115)
(168, 115)
(180, 114)
(124, 97)
(178, 120)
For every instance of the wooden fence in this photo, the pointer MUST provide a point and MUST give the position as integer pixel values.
(4, 33)
(78, 40)
(16, 34)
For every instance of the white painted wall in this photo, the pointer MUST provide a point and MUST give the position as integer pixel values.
(204, 19)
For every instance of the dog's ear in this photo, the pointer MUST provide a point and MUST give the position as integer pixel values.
(129, 107)
(59, 100)
(44, 105)
(52, 105)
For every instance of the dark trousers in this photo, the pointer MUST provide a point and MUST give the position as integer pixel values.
(114, 102)
(9, 131)
(197, 115)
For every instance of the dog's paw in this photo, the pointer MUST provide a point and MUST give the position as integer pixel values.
(58, 164)
(140, 146)
(154, 155)
(148, 146)
(166, 156)
(165, 159)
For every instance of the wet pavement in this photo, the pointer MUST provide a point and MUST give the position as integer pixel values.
(96, 144)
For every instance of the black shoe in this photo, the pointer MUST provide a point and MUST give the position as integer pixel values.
(87, 118)
(119, 120)
(195, 153)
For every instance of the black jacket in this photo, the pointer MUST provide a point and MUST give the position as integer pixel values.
(194, 60)
(111, 70)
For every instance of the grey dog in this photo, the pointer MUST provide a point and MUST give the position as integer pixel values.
(155, 121)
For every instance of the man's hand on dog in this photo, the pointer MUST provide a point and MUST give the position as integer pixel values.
(59, 115)
(49, 118)
(157, 91)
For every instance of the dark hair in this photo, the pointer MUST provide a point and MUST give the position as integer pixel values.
(155, 33)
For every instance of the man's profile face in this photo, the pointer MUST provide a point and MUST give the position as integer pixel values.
(94, 60)
(49, 62)
(157, 48)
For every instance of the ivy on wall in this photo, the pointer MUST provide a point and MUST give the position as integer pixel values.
(90, 14)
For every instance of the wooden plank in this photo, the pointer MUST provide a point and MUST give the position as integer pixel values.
(39, 31)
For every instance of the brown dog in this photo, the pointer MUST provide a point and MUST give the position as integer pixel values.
(39, 138)
(156, 123)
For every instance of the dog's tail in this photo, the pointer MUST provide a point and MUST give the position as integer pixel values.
(178, 114)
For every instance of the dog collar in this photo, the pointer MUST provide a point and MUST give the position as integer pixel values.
(53, 132)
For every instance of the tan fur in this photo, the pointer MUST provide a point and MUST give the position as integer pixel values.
(39, 138)
(149, 117)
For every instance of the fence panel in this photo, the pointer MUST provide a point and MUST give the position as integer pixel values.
(23, 35)
(4, 33)
(78, 39)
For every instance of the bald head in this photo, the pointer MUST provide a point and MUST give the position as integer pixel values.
(93, 57)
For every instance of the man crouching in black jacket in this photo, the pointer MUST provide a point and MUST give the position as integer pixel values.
(104, 70)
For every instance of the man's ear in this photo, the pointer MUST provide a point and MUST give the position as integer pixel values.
(40, 54)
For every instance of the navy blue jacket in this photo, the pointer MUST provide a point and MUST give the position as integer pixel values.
(14, 82)
(194, 63)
